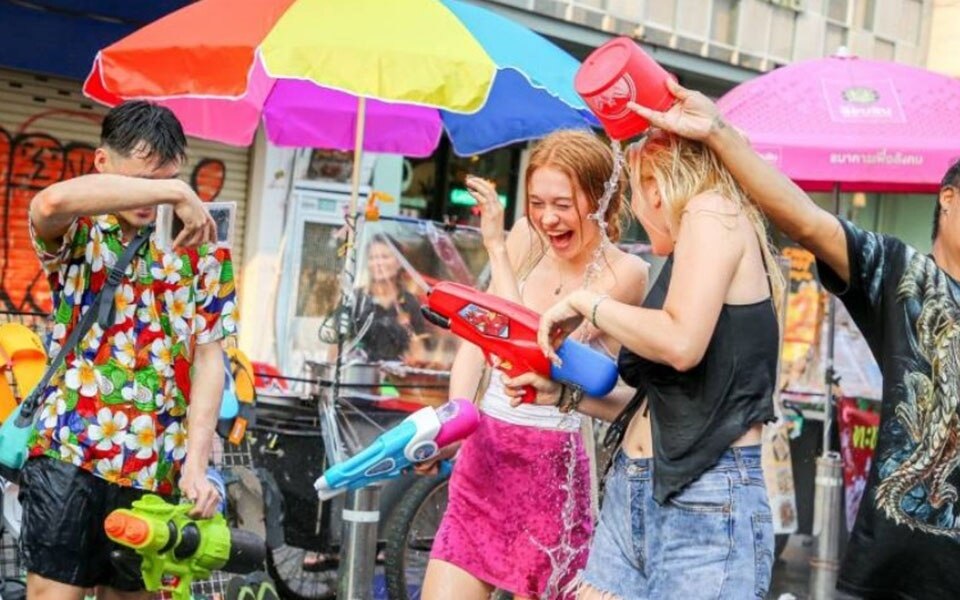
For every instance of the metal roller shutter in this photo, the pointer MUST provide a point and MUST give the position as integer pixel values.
(48, 131)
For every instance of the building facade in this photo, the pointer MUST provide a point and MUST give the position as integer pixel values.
(944, 54)
(755, 35)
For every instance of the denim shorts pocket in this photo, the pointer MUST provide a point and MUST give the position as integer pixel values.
(696, 540)
(710, 493)
(763, 551)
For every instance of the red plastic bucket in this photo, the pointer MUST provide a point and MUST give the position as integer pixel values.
(616, 73)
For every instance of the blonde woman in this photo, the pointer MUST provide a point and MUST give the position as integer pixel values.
(396, 328)
(685, 511)
(519, 515)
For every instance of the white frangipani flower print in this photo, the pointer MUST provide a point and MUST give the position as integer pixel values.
(147, 477)
(161, 355)
(125, 349)
(142, 436)
(230, 315)
(82, 377)
(180, 310)
(175, 441)
(125, 303)
(148, 310)
(98, 255)
(111, 469)
(74, 285)
(69, 449)
(168, 270)
(52, 410)
(110, 429)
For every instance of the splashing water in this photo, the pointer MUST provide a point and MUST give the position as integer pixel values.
(609, 189)
(565, 552)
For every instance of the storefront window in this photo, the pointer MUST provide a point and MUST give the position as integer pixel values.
(419, 186)
(330, 165)
(433, 188)
(318, 289)
(499, 166)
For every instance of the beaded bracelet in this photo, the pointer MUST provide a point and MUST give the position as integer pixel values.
(570, 398)
(596, 304)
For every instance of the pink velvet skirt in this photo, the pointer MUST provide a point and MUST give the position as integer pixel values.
(519, 511)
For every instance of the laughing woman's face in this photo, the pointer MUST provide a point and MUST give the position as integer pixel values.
(557, 209)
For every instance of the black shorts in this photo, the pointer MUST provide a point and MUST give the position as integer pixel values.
(62, 536)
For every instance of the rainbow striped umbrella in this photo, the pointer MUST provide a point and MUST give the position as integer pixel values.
(379, 75)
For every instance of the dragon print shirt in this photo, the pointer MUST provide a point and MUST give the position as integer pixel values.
(906, 540)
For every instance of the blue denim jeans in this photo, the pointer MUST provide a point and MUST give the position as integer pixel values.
(714, 539)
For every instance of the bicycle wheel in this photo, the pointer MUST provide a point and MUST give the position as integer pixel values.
(295, 581)
(410, 530)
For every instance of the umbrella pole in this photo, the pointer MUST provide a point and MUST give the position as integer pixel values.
(830, 375)
(361, 511)
(357, 153)
(828, 486)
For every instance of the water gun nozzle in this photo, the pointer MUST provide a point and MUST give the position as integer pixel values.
(324, 490)
(128, 528)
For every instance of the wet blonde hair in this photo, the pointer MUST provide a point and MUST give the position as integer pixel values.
(588, 162)
(685, 168)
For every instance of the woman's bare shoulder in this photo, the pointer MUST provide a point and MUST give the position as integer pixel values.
(630, 274)
(632, 265)
(711, 202)
(713, 218)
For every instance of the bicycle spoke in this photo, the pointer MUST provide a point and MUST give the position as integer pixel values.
(290, 567)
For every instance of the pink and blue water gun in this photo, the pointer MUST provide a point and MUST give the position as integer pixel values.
(417, 439)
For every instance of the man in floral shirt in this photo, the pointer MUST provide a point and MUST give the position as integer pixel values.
(115, 419)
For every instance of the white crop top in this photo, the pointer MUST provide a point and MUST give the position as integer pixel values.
(496, 404)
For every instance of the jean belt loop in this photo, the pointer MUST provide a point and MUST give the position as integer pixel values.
(741, 464)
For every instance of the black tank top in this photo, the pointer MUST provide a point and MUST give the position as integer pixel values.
(697, 414)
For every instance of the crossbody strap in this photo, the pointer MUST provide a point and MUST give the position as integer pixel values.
(100, 311)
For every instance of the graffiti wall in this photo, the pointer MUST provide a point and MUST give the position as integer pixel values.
(32, 159)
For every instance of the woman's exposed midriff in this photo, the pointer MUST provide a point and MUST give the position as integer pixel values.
(638, 440)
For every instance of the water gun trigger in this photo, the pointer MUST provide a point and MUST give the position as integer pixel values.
(502, 365)
(170, 583)
(529, 392)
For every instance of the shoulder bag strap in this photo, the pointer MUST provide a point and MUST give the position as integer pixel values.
(100, 311)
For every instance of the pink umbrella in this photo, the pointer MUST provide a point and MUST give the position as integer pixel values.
(863, 125)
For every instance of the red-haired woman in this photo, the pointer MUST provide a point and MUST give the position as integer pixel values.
(519, 515)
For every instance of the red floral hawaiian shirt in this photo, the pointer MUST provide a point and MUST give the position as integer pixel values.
(117, 406)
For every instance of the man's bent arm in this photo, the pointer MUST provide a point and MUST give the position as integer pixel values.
(696, 117)
(54, 208)
(206, 391)
(784, 203)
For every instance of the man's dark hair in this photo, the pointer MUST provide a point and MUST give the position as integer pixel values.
(950, 179)
(136, 122)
